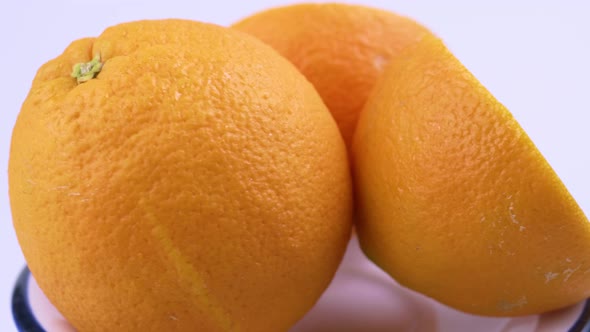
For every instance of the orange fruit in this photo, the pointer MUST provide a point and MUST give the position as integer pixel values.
(454, 199)
(341, 49)
(197, 183)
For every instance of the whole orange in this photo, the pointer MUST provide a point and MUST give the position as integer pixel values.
(454, 199)
(341, 49)
(197, 183)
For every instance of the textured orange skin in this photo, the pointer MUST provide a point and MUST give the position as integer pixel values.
(340, 48)
(455, 201)
(197, 184)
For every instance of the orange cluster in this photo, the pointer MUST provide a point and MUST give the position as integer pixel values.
(191, 177)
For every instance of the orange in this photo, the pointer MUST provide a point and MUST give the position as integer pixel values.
(197, 183)
(454, 199)
(341, 49)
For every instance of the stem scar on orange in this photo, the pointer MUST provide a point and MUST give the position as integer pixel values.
(84, 72)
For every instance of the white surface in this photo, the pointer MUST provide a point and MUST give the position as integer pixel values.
(533, 55)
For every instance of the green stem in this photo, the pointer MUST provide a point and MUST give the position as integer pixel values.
(86, 71)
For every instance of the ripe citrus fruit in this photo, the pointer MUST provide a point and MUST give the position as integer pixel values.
(454, 199)
(197, 183)
(340, 48)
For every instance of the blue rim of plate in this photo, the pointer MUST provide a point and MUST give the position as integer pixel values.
(21, 310)
(26, 322)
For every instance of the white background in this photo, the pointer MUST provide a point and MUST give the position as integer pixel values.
(533, 55)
